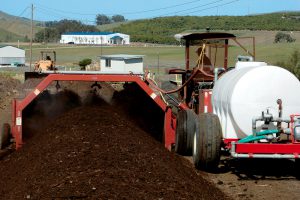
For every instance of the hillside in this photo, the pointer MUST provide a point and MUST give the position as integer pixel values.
(108, 27)
(14, 28)
(6, 36)
(161, 30)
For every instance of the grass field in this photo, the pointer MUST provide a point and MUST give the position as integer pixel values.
(70, 56)
(169, 56)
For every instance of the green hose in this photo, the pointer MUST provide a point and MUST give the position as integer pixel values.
(267, 132)
(259, 136)
(252, 138)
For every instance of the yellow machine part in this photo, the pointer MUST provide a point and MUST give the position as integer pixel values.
(44, 65)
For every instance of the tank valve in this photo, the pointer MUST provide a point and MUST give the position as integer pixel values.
(267, 117)
(297, 129)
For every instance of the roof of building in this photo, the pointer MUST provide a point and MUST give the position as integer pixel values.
(116, 37)
(88, 33)
(4, 45)
(203, 35)
(122, 56)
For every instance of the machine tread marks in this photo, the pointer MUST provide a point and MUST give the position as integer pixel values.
(207, 142)
(185, 130)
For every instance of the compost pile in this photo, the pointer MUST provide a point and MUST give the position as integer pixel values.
(93, 151)
(7, 89)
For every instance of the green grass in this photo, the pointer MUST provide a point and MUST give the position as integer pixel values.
(70, 56)
(171, 56)
(8, 36)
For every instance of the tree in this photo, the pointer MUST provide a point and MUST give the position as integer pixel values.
(47, 35)
(102, 19)
(283, 37)
(55, 29)
(118, 18)
(83, 63)
(65, 25)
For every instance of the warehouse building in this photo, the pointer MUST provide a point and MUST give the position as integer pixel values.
(13, 56)
(122, 64)
(95, 38)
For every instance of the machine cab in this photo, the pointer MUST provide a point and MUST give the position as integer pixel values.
(207, 54)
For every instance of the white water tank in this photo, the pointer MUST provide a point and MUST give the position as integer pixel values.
(244, 92)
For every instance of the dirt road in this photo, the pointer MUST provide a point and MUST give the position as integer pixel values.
(257, 179)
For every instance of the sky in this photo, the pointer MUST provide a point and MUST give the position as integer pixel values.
(86, 10)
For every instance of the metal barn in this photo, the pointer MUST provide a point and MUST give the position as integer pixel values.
(95, 38)
(10, 55)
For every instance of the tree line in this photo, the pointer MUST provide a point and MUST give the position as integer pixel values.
(54, 29)
(161, 30)
(102, 19)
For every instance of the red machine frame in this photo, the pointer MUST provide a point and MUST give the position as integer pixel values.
(289, 149)
(19, 105)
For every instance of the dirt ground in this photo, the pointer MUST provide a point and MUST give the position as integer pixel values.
(257, 179)
(101, 151)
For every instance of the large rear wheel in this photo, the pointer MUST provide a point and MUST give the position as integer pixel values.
(185, 130)
(207, 142)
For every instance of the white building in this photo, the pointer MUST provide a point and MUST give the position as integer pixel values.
(104, 38)
(122, 64)
(10, 55)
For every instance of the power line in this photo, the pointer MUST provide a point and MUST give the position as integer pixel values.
(20, 15)
(124, 13)
(163, 8)
(25, 9)
(230, 2)
(56, 12)
(203, 5)
(60, 17)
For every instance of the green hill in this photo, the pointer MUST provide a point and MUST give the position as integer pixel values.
(14, 28)
(162, 30)
(6, 36)
(109, 27)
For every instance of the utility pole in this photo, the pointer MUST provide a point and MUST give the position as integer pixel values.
(158, 63)
(44, 33)
(31, 37)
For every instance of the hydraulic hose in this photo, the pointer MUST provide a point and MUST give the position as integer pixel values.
(199, 69)
(259, 135)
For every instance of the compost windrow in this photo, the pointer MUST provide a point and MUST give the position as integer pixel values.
(94, 150)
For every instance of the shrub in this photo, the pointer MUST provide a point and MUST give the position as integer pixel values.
(83, 63)
(283, 37)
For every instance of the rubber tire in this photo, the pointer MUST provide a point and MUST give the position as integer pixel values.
(4, 135)
(297, 168)
(185, 130)
(207, 142)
